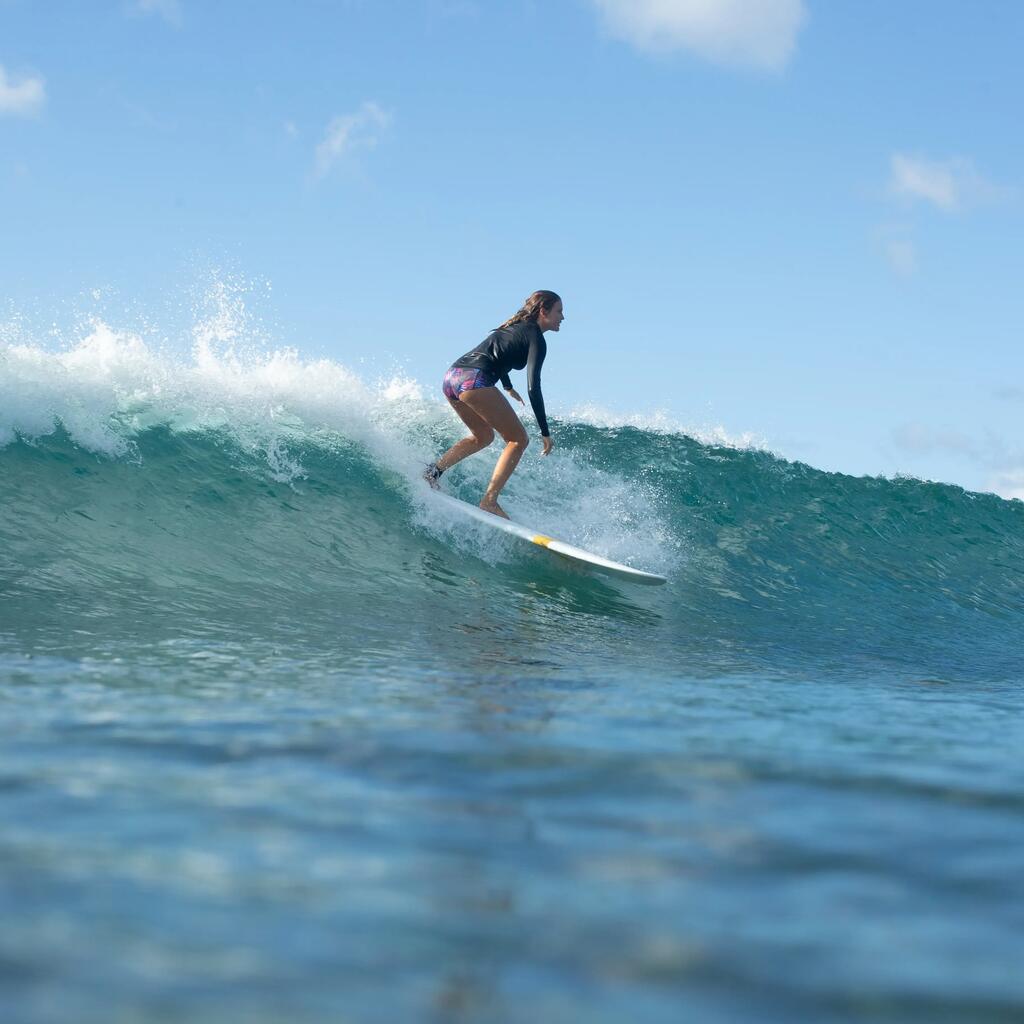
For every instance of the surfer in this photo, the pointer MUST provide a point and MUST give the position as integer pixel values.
(469, 386)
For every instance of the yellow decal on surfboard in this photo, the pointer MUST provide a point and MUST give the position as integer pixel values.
(542, 540)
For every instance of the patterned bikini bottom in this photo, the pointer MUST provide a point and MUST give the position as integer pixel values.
(465, 378)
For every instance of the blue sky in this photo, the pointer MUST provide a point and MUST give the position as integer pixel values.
(800, 221)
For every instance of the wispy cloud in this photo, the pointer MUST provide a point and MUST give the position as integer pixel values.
(24, 96)
(1002, 462)
(745, 33)
(169, 10)
(947, 184)
(348, 132)
(1009, 484)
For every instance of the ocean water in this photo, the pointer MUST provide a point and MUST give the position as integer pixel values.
(281, 742)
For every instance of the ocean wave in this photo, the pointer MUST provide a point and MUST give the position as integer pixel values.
(260, 480)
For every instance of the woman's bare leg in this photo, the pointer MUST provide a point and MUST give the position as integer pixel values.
(480, 437)
(490, 405)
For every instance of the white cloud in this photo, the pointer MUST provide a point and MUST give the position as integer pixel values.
(947, 184)
(21, 95)
(1001, 462)
(923, 179)
(1009, 484)
(346, 132)
(169, 10)
(752, 33)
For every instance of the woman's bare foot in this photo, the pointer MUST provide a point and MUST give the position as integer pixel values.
(494, 508)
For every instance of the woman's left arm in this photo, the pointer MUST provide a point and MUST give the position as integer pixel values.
(534, 361)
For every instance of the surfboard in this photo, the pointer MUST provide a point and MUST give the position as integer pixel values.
(558, 547)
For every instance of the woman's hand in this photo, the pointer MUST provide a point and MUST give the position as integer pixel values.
(515, 394)
(548, 445)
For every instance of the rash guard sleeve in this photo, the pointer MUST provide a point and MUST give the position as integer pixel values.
(534, 361)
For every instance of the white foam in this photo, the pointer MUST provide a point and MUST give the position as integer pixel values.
(563, 496)
(105, 386)
(660, 422)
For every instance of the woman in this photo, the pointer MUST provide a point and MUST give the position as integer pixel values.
(469, 388)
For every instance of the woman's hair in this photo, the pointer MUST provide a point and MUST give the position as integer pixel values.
(531, 308)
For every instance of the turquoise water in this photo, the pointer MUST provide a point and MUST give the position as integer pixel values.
(282, 743)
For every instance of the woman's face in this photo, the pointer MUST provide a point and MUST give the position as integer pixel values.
(552, 319)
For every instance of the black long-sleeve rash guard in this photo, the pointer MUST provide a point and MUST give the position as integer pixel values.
(512, 348)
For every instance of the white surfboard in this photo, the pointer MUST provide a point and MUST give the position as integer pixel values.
(559, 547)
